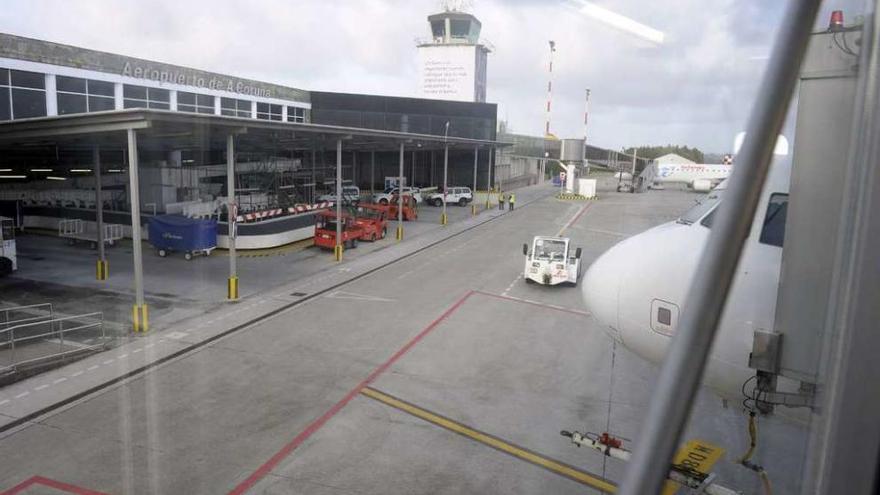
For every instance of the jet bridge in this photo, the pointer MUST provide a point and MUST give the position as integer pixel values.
(793, 348)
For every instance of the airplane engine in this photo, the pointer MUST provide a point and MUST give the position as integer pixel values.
(701, 185)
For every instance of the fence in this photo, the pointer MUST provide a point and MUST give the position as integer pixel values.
(40, 341)
(17, 315)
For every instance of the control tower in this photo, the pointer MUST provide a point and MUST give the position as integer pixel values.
(453, 60)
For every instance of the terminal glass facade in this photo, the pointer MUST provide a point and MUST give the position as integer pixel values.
(234, 107)
(194, 103)
(144, 97)
(76, 95)
(269, 111)
(23, 94)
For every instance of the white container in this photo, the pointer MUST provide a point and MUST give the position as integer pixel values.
(587, 188)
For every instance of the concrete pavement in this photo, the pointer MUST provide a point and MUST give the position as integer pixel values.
(278, 406)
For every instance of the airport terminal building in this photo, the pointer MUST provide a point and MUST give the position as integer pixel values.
(45, 79)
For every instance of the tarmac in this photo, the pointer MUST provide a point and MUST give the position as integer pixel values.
(427, 366)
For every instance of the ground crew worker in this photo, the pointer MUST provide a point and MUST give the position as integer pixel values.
(511, 198)
(500, 200)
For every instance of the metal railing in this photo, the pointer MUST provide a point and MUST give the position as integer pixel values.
(9, 317)
(50, 339)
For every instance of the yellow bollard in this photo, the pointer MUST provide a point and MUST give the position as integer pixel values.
(443, 219)
(337, 252)
(473, 209)
(139, 318)
(232, 288)
(400, 232)
(102, 270)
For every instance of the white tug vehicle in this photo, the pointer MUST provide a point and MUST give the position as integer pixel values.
(551, 261)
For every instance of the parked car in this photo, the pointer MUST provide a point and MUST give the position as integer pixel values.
(455, 195)
(385, 196)
(351, 195)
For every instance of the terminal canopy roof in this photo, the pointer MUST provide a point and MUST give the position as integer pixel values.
(28, 142)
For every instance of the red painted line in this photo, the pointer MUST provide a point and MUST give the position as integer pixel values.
(575, 218)
(57, 485)
(540, 305)
(315, 425)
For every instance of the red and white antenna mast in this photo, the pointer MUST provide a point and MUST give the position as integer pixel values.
(549, 89)
(586, 115)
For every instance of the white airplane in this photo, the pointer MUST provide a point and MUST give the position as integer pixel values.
(638, 288)
(700, 177)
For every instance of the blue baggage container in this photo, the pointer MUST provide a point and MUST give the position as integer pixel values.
(177, 233)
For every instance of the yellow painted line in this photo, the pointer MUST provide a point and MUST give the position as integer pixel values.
(494, 442)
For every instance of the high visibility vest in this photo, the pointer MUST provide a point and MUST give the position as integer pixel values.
(512, 198)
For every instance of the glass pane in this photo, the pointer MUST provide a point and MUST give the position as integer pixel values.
(138, 92)
(275, 109)
(185, 98)
(227, 112)
(262, 107)
(773, 232)
(244, 114)
(186, 108)
(4, 104)
(157, 94)
(206, 110)
(4, 77)
(100, 103)
(134, 104)
(275, 116)
(27, 79)
(102, 88)
(263, 116)
(244, 105)
(227, 103)
(159, 105)
(71, 84)
(68, 103)
(28, 103)
(205, 100)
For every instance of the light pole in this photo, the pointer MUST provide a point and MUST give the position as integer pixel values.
(443, 218)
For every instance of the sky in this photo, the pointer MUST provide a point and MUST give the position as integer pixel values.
(695, 89)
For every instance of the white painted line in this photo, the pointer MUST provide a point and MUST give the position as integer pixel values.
(23, 394)
(4, 401)
(91, 368)
(136, 350)
(74, 375)
(177, 335)
(62, 379)
(123, 356)
(41, 387)
(109, 361)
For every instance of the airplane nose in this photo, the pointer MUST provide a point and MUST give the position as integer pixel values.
(601, 287)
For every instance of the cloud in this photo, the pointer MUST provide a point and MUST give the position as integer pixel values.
(695, 89)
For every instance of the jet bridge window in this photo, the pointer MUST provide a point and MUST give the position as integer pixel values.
(773, 231)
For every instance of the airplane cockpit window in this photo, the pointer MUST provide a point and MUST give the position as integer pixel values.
(773, 231)
(703, 206)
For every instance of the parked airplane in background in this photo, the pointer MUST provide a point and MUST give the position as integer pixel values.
(638, 288)
(700, 177)
(703, 177)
